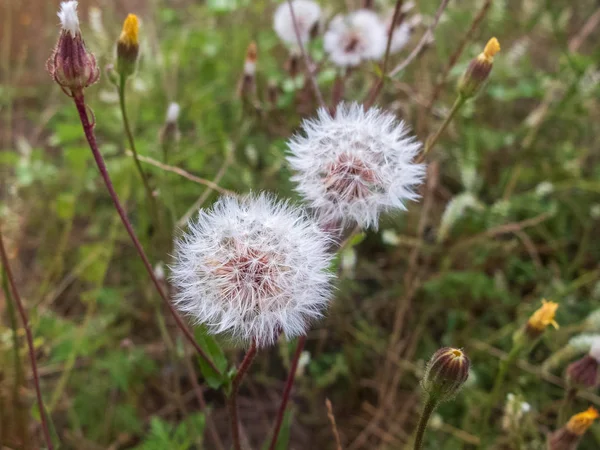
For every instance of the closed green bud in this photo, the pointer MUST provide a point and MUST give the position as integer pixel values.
(447, 371)
(128, 46)
(479, 70)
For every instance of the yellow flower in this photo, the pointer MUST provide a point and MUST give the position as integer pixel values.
(543, 317)
(129, 35)
(579, 423)
(491, 48)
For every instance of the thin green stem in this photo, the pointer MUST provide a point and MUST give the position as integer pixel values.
(129, 133)
(428, 409)
(496, 390)
(563, 414)
(460, 101)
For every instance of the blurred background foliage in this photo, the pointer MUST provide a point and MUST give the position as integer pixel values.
(510, 214)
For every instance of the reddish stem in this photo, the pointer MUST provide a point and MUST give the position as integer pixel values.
(88, 128)
(287, 391)
(30, 347)
(235, 386)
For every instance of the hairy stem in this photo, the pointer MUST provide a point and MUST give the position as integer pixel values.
(287, 391)
(430, 143)
(129, 133)
(376, 89)
(307, 63)
(428, 409)
(235, 386)
(30, 347)
(563, 414)
(91, 138)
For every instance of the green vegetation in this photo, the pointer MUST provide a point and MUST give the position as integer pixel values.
(509, 215)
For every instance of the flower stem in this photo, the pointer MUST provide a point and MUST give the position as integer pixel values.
(30, 346)
(460, 101)
(496, 389)
(563, 414)
(235, 386)
(128, 132)
(287, 390)
(428, 409)
(91, 138)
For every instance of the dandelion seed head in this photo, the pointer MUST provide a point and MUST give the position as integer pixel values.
(307, 15)
(173, 112)
(357, 37)
(595, 350)
(355, 166)
(584, 342)
(400, 35)
(253, 268)
(68, 17)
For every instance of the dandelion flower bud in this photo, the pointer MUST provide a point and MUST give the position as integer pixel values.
(479, 69)
(541, 319)
(568, 437)
(247, 83)
(253, 268)
(583, 373)
(128, 46)
(71, 65)
(307, 14)
(356, 165)
(447, 371)
(169, 133)
(359, 36)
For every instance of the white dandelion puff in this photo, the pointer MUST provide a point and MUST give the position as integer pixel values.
(400, 35)
(357, 37)
(307, 13)
(173, 113)
(584, 342)
(355, 166)
(595, 350)
(68, 17)
(253, 268)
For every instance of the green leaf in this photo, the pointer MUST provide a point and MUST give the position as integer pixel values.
(215, 353)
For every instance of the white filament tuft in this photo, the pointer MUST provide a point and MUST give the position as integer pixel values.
(253, 268)
(356, 165)
(68, 17)
(307, 15)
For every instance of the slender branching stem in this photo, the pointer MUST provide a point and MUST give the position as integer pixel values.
(496, 390)
(91, 138)
(307, 63)
(287, 390)
(563, 414)
(430, 143)
(376, 89)
(428, 409)
(235, 386)
(29, 336)
(131, 140)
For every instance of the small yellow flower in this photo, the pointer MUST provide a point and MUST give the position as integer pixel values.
(131, 28)
(491, 48)
(543, 317)
(579, 423)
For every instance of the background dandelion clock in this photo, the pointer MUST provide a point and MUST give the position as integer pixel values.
(356, 165)
(307, 15)
(357, 37)
(253, 268)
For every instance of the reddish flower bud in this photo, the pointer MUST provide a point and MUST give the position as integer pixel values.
(446, 372)
(71, 65)
(583, 373)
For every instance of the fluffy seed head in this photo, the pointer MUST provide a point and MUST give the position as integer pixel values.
(356, 165)
(307, 15)
(357, 37)
(173, 112)
(400, 35)
(68, 17)
(253, 268)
